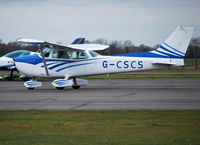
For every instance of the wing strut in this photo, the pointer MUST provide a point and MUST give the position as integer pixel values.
(43, 59)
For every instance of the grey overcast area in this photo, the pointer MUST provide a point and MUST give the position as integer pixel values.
(141, 21)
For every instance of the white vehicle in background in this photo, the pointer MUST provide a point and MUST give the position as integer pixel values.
(7, 62)
(72, 61)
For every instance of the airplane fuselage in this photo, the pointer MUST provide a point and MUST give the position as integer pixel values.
(33, 66)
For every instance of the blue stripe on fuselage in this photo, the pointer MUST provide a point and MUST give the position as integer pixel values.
(49, 64)
(73, 66)
(162, 47)
(174, 48)
(143, 54)
(57, 65)
(31, 59)
(170, 55)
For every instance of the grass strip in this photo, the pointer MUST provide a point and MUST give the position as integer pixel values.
(144, 76)
(115, 127)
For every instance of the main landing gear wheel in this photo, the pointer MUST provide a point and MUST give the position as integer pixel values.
(60, 88)
(24, 78)
(30, 88)
(76, 87)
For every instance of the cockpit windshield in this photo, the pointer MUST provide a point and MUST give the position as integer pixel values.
(46, 51)
(17, 53)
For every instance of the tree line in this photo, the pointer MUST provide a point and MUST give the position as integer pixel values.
(116, 47)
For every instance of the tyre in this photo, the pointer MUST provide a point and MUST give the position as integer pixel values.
(30, 88)
(76, 87)
(24, 79)
(60, 88)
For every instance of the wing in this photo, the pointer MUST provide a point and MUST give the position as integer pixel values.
(62, 46)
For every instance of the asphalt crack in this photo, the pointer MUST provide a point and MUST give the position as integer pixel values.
(79, 106)
(126, 95)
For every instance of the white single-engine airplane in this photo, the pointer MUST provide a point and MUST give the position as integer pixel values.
(72, 61)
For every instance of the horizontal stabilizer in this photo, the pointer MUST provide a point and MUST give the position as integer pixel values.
(163, 62)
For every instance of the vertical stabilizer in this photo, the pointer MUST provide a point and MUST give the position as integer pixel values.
(79, 41)
(177, 43)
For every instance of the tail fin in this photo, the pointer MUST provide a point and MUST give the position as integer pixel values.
(176, 44)
(78, 41)
(173, 48)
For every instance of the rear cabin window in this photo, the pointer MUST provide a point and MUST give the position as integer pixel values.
(94, 54)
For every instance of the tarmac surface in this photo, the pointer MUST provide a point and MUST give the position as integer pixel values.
(104, 95)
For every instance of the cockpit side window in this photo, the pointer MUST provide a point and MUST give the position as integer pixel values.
(55, 53)
(60, 54)
(69, 54)
(63, 54)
